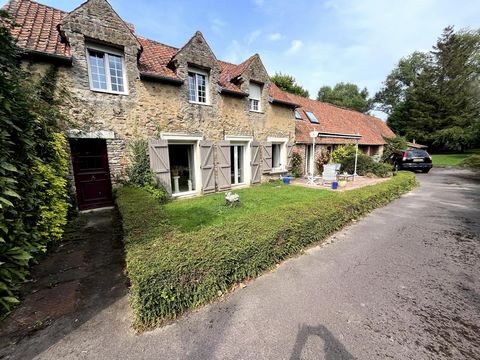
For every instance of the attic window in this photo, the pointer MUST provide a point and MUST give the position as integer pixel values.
(298, 116)
(106, 70)
(197, 86)
(255, 94)
(311, 117)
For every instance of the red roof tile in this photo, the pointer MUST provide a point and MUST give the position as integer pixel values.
(338, 120)
(36, 27)
(155, 58)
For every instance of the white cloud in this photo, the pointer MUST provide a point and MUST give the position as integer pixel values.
(253, 36)
(217, 25)
(274, 36)
(295, 46)
(259, 2)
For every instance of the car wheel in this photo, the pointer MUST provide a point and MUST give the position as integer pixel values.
(425, 171)
(396, 167)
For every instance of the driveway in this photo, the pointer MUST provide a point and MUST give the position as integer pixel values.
(402, 283)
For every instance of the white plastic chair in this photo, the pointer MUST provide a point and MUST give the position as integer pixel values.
(329, 173)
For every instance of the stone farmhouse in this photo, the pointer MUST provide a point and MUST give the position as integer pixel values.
(211, 125)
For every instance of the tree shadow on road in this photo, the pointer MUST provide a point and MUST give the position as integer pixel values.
(333, 348)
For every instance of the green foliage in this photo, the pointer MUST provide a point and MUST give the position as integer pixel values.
(346, 95)
(393, 145)
(297, 164)
(175, 266)
(342, 152)
(33, 167)
(472, 162)
(366, 166)
(287, 83)
(433, 97)
(139, 172)
(321, 159)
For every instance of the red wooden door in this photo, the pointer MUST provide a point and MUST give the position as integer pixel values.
(92, 175)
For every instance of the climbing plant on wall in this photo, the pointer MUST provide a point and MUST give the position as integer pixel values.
(33, 168)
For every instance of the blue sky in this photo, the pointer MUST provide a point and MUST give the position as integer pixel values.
(318, 42)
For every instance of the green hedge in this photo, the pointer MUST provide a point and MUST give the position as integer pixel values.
(172, 272)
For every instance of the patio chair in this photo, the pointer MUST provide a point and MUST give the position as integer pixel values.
(313, 179)
(329, 173)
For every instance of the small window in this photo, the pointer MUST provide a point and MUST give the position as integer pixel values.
(297, 115)
(197, 87)
(255, 94)
(276, 156)
(106, 71)
(311, 117)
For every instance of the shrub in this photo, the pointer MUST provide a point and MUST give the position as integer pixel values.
(173, 271)
(33, 167)
(343, 152)
(297, 164)
(393, 145)
(471, 162)
(365, 166)
(321, 159)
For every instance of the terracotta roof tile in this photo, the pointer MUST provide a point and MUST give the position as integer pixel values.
(36, 27)
(155, 58)
(339, 120)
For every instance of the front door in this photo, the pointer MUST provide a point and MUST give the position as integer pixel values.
(92, 175)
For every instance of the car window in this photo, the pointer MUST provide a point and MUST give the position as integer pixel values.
(417, 153)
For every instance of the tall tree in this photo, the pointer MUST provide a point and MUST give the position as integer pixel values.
(434, 97)
(346, 95)
(288, 83)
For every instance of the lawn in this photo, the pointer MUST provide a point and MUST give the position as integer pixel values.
(452, 159)
(186, 253)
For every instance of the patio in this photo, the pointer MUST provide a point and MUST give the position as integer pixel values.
(359, 182)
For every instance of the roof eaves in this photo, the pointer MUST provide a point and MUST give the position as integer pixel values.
(283, 102)
(233, 92)
(44, 55)
(156, 77)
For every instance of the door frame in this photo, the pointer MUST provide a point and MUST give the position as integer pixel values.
(246, 141)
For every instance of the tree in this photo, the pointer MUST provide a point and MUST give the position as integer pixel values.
(434, 97)
(288, 83)
(346, 95)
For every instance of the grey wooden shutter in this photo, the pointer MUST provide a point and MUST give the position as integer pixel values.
(224, 181)
(255, 163)
(266, 157)
(289, 155)
(207, 167)
(160, 162)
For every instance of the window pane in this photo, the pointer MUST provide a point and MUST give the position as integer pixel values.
(240, 163)
(97, 69)
(191, 87)
(201, 87)
(116, 72)
(254, 105)
(276, 155)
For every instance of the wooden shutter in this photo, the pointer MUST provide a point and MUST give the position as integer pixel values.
(160, 162)
(224, 181)
(207, 167)
(255, 163)
(289, 156)
(266, 157)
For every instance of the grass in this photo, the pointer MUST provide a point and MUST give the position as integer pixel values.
(188, 252)
(452, 159)
(193, 214)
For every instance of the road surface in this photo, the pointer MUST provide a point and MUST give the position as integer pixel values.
(401, 283)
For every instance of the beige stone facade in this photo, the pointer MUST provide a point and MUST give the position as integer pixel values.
(153, 107)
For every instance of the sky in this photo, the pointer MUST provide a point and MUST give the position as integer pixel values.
(317, 42)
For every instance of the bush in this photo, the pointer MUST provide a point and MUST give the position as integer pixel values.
(297, 164)
(393, 145)
(472, 162)
(174, 271)
(366, 166)
(33, 168)
(343, 152)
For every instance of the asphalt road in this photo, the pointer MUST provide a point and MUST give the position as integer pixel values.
(402, 283)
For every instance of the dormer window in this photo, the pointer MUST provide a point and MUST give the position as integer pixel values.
(197, 86)
(255, 94)
(298, 116)
(106, 70)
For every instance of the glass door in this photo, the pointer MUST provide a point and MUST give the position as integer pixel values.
(237, 156)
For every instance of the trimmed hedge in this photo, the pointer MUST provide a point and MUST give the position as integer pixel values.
(172, 272)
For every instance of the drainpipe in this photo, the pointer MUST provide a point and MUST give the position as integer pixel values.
(356, 156)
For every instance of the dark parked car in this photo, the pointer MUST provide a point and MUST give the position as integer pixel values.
(411, 160)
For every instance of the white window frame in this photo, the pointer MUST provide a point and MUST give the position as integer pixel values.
(283, 153)
(107, 51)
(188, 139)
(254, 101)
(246, 141)
(207, 86)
